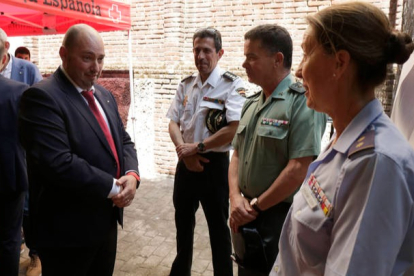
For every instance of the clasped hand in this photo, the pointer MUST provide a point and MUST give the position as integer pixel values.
(188, 153)
(241, 212)
(128, 185)
(186, 149)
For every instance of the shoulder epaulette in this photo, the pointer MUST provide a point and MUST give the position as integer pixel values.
(186, 78)
(230, 76)
(297, 87)
(249, 101)
(255, 95)
(364, 142)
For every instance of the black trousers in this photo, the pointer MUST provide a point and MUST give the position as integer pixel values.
(92, 260)
(28, 229)
(11, 216)
(269, 224)
(210, 188)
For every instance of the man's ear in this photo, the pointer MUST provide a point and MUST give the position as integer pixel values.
(7, 45)
(220, 53)
(63, 54)
(279, 58)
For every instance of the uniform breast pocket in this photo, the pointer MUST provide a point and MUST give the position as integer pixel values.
(305, 212)
(309, 230)
(187, 112)
(273, 138)
(272, 132)
(241, 131)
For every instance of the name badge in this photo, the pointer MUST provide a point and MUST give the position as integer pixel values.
(308, 195)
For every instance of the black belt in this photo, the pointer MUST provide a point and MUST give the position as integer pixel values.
(215, 154)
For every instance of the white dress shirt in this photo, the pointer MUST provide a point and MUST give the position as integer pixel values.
(190, 107)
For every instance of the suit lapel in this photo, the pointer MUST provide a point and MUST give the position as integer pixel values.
(76, 99)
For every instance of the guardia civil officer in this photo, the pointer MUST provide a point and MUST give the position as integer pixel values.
(277, 138)
(204, 117)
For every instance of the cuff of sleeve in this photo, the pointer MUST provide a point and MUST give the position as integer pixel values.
(136, 177)
(304, 153)
(115, 189)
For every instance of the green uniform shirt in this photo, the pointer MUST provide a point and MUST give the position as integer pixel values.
(272, 132)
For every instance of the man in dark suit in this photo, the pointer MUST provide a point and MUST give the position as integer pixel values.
(19, 69)
(13, 177)
(25, 72)
(82, 165)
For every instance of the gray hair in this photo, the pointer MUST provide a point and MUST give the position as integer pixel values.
(3, 39)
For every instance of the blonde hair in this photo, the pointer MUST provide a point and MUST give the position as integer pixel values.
(364, 31)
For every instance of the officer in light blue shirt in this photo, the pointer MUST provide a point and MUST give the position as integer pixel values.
(354, 213)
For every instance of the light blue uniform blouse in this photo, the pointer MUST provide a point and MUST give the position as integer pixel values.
(367, 178)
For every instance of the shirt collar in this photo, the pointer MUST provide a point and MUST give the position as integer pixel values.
(358, 125)
(212, 80)
(279, 92)
(80, 90)
(7, 70)
(283, 87)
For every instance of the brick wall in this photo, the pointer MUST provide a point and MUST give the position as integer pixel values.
(161, 39)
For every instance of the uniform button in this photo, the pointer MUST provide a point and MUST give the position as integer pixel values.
(245, 162)
(276, 268)
(115, 165)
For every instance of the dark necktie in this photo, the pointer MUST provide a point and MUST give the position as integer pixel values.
(94, 108)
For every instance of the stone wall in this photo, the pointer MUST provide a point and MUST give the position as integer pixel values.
(161, 55)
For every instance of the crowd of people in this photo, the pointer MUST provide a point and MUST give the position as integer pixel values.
(280, 203)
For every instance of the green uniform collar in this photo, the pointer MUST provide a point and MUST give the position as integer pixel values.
(283, 88)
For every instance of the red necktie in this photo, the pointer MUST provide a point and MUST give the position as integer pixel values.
(94, 108)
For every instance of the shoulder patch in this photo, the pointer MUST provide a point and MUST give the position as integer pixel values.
(364, 142)
(188, 77)
(297, 87)
(230, 76)
(241, 91)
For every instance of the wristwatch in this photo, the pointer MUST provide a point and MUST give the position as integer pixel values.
(254, 203)
(201, 147)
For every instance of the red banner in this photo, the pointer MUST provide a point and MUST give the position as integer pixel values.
(33, 17)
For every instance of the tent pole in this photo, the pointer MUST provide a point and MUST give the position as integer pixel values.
(131, 86)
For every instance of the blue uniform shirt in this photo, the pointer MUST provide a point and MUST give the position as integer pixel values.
(354, 214)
